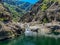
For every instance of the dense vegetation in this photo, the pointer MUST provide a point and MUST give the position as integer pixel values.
(16, 14)
(12, 10)
(46, 4)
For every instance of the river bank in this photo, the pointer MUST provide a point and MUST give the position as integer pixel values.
(17, 28)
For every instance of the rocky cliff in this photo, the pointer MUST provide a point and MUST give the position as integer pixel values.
(8, 29)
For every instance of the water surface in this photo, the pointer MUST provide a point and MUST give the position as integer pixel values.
(32, 41)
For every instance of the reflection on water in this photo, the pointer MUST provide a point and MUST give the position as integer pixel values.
(32, 41)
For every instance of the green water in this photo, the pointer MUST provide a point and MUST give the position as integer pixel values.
(32, 41)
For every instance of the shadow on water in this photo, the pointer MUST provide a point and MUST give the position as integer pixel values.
(22, 40)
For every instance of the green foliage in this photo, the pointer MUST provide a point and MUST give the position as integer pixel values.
(45, 4)
(15, 15)
(43, 7)
(45, 20)
(1, 19)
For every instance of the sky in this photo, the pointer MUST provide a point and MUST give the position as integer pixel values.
(30, 1)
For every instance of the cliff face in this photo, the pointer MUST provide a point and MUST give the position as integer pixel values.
(8, 29)
(49, 15)
(51, 12)
(4, 14)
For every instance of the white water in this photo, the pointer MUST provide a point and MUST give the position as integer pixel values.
(28, 31)
(41, 31)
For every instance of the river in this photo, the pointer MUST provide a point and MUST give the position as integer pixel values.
(22, 40)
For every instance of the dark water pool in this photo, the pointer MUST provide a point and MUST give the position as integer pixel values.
(32, 41)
